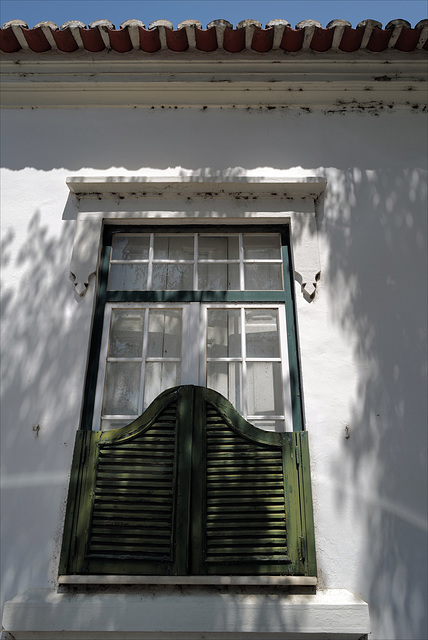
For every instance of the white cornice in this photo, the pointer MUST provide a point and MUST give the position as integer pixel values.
(196, 186)
(313, 80)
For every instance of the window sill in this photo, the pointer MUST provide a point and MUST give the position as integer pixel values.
(189, 614)
(286, 581)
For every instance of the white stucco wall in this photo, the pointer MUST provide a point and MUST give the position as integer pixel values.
(362, 339)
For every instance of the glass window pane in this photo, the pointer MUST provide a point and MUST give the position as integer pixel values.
(224, 333)
(268, 425)
(225, 377)
(127, 277)
(218, 248)
(261, 276)
(164, 339)
(109, 424)
(126, 333)
(160, 376)
(260, 247)
(264, 388)
(218, 277)
(130, 247)
(121, 388)
(167, 277)
(262, 335)
(176, 247)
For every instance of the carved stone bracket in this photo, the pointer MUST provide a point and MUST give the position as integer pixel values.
(307, 267)
(86, 246)
(258, 200)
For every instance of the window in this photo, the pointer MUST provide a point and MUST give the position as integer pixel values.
(168, 476)
(202, 308)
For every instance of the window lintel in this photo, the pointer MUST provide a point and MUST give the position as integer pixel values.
(107, 192)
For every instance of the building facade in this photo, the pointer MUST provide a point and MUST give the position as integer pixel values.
(238, 209)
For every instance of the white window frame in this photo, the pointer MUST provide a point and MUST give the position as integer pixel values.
(194, 360)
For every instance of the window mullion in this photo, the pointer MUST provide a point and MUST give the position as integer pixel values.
(190, 343)
(283, 344)
(195, 261)
(241, 264)
(144, 356)
(185, 420)
(244, 366)
(203, 337)
(150, 265)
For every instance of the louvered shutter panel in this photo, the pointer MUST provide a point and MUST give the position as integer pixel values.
(132, 513)
(190, 487)
(244, 506)
(128, 496)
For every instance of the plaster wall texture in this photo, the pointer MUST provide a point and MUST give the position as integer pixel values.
(362, 339)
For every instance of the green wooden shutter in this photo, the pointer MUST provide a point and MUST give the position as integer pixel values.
(125, 495)
(249, 501)
(190, 487)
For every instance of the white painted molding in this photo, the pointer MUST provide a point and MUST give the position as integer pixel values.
(188, 613)
(337, 81)
(133, 199)
(196, 186)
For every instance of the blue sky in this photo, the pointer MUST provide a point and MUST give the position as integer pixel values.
(117, 11)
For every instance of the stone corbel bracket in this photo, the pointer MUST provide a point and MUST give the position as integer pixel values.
(287, 200)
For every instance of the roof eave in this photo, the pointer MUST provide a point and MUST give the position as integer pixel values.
(214, 79)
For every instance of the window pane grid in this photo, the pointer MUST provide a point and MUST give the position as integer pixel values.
(126, 387)
(248, 263)
(238, 266)
(258, 363)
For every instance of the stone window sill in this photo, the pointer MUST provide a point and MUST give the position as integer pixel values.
(185, 613)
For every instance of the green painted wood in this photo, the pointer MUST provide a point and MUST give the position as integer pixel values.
(293, 353)
(292, 503)
(190, 487)
(107, 535)
(197, 532)
(73, 502)
(183, 485)
(127, 496)
(305, 488)
(95, 345)
(234, 444)
(196, 296)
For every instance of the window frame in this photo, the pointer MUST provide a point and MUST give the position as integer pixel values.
(103, 296)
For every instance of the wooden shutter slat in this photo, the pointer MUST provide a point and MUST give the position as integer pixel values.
(241, 478)
(159, 481)
(146, 520)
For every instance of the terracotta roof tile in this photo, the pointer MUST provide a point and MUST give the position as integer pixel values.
(308, 35)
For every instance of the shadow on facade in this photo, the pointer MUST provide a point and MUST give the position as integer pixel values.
(376, 228)
(374, 274)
